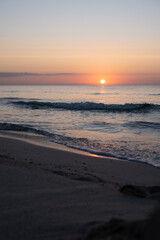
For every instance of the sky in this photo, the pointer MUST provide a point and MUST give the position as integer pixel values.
(79, 41)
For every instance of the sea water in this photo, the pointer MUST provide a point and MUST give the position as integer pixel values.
(118, 121)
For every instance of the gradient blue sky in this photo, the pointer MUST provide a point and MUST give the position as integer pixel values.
(89, 39)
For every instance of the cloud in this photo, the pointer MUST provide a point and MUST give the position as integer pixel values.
(137, 74)
(20, 74)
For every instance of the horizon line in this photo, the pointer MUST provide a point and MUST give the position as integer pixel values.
(73, 84)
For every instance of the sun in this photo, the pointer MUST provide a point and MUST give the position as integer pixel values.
(102, 81)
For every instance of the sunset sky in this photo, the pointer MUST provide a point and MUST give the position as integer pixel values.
(79, 41)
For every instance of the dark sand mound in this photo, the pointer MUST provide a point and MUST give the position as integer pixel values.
(142, 192)
(117, 229)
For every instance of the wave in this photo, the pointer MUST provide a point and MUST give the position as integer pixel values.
(20, 128)
(144, 124)
(88, 106)
(27, 128)
(9, 91)
(19, 98)
(11, 98)
(154, 94)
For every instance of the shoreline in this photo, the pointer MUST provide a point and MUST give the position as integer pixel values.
(48, 193)
(44, 141)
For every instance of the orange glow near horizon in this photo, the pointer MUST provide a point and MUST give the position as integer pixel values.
(80, 79)
(86, 63)
(60, 49)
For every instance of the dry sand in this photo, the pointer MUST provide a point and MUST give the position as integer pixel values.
(48, 193)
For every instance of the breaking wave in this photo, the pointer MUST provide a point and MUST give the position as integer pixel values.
(88, 106)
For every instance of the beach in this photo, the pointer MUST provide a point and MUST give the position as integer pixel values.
(80, 120)
(51, 193)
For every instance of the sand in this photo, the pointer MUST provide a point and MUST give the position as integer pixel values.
(48, 193)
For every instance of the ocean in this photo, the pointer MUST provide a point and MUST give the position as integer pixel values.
(116, 121)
